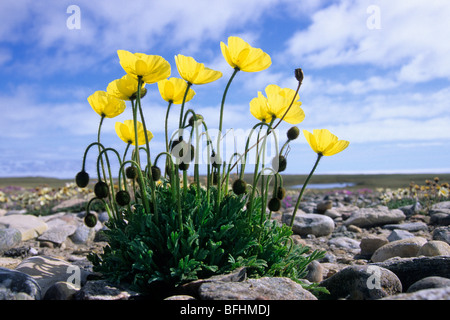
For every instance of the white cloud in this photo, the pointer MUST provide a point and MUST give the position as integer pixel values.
(412, 38)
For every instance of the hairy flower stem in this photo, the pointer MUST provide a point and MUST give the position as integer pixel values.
(219, 167)
(319, 156)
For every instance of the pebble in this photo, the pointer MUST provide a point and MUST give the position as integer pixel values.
(30, 226)
(434, 248)
(362, 283)
(398, 234)
(411, 226)
(372, 217)
(442, 234)
(429, 283)
(371, 243)
(15, 285)
(9, 238)
(310, 224)
(265, 288)
(49, 270)
(400, 248)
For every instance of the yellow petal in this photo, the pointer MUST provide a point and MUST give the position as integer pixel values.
(240, 54)
(259, 108)
(194, 72)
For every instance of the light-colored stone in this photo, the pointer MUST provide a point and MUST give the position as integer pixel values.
(410, 226)
(398, 234)
(9, 263)
(434, 248)
(30, 226)
(344, 243)
(371, 217)
(371, 243)
(401, 248)
(48, 270)
(9, 238)
(426, 294)
(310, 223)
(265, 288)
(58, 231)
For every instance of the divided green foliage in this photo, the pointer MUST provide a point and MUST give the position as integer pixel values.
(149, 255)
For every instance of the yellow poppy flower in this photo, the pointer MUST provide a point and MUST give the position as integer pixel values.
(239, 54)
(151, 68)
(124, 88)
(194, 72)
(105, 104)
(173, 90)
(276, 104)
(324, 142)
(125, 131)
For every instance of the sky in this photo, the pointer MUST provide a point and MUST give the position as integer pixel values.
(377, 73)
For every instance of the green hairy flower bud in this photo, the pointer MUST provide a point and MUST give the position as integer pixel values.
(101, 190)
(156, 173)
(131, 172)
(293, 133)
(279, 163)
(239, 186)
(122, 198)
(274, 204)
(90, 220)
(82, 179)
(281, 193)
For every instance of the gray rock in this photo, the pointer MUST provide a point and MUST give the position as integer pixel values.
(434, 248)
(310, 223)
(29, 226)
(411, 209)
(14, 284)
(9, 238)
(398, 234)
(427, 294)
(441, 205)
(315, 271)
(410, 270)
(344, 243)
(61, 290)
(440, 218)
(324, 206)
(400, 248)
(410, 226)
(102, 290)
(58, 231)
(371, 243)
(83, 234)
(372, 217)
(363, 282)
(265, 288)
(442, 234)
(48, 270)
(429, 283)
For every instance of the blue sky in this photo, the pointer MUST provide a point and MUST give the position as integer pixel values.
(376, 73)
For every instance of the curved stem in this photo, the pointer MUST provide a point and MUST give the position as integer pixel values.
(319, 156)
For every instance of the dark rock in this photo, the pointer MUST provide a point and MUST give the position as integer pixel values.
(364, 282)
(18, 283)
(429, 283)
(410, 270)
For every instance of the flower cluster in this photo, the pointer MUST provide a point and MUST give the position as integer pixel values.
(428, 193)
(145, 185)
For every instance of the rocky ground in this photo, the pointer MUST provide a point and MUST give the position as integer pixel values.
(372, 253)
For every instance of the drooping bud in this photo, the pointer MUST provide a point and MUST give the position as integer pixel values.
(101, 190)
(82, 179)
(122, 198)
(215, 160)
(184, 166)
(281, 193)
(90, 220)
(191, 119)
(156, 173)
(279, 163)
(293, 133)
(299, 74)
(131, 172)
(239, 186)
(274, 204)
